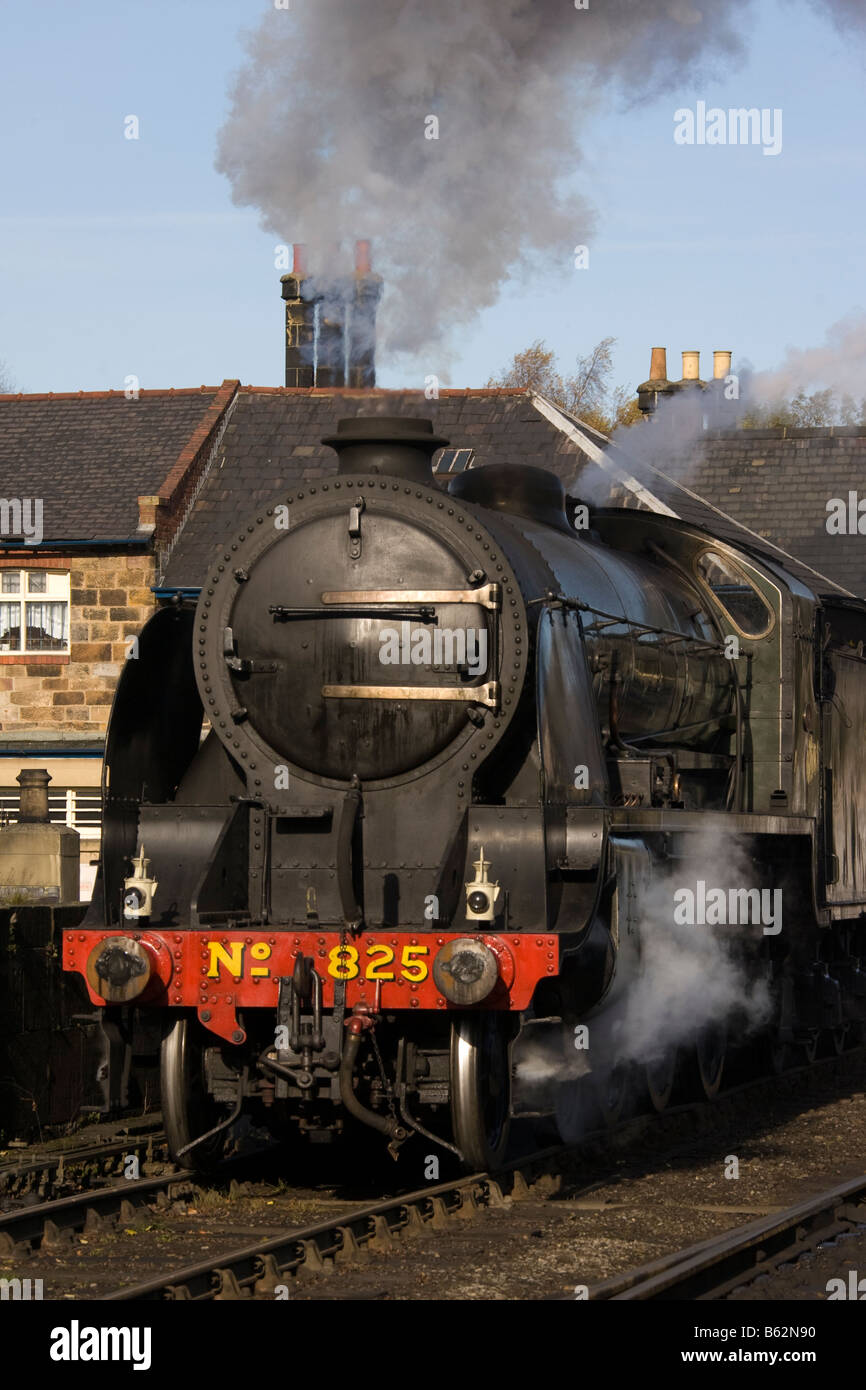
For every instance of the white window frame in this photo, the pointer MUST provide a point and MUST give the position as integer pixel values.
(57, 590)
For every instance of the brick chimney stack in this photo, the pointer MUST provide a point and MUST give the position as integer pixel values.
(331, 339)
(691, 370)
(328, 323)
(721, 363)
(367, 290)
(657, 383)
(300, 322)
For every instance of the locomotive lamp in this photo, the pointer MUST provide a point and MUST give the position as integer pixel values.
(481, 894)
(138, 890)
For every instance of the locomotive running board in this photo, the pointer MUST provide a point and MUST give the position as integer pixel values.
(485, 596)
(475, 694)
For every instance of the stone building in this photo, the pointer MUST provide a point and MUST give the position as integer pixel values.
(93, 485)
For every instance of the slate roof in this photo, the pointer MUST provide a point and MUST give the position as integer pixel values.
(90, 455)
(682, 499)
(780, 481)
(273, 442)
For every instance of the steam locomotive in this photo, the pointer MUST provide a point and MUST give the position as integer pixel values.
(384, 808)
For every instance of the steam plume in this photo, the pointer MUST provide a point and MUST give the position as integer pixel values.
(326, 135)
(839, 362)
(688, 978)
(672, 443)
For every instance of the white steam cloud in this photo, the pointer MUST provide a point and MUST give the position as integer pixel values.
(671, 443)
(691, 976)
(327, 134)
(688, 978)
(839, 363)
(330, 114)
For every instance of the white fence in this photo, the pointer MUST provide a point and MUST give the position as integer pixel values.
(78, 807)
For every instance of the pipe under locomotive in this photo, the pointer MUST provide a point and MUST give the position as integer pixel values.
(360, 828)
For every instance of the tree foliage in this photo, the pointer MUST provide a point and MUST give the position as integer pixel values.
(586, 392)
(805, 411)
(6, 382)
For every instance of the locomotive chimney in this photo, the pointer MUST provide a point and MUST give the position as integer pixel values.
(300, 321)
(362, 320)
(400, 446)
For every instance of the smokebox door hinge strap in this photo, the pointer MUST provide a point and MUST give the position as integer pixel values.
(485, 596)
(355, 528)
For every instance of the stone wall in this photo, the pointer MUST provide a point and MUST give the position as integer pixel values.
(110, 600)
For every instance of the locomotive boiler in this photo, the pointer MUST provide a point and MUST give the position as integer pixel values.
(388, 799)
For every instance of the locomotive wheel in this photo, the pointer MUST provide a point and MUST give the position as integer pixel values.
(776, 1056)
(574, 1109)
(785, 1056)
(480, 1088)
(611, 1091)
(709, 1059)
(661, 1075)
(187, 1110)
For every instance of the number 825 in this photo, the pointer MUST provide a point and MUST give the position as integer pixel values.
(344, 963)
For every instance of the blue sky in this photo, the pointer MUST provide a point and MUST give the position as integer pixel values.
(123, 257)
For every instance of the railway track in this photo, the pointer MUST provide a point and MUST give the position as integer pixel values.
(47, 1170)
(324, 1243)
(50, 1223)
(714, 1268)
(263, 1268)
(29, 1228)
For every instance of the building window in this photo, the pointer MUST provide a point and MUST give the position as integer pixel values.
(34, 611)
(454, 460)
